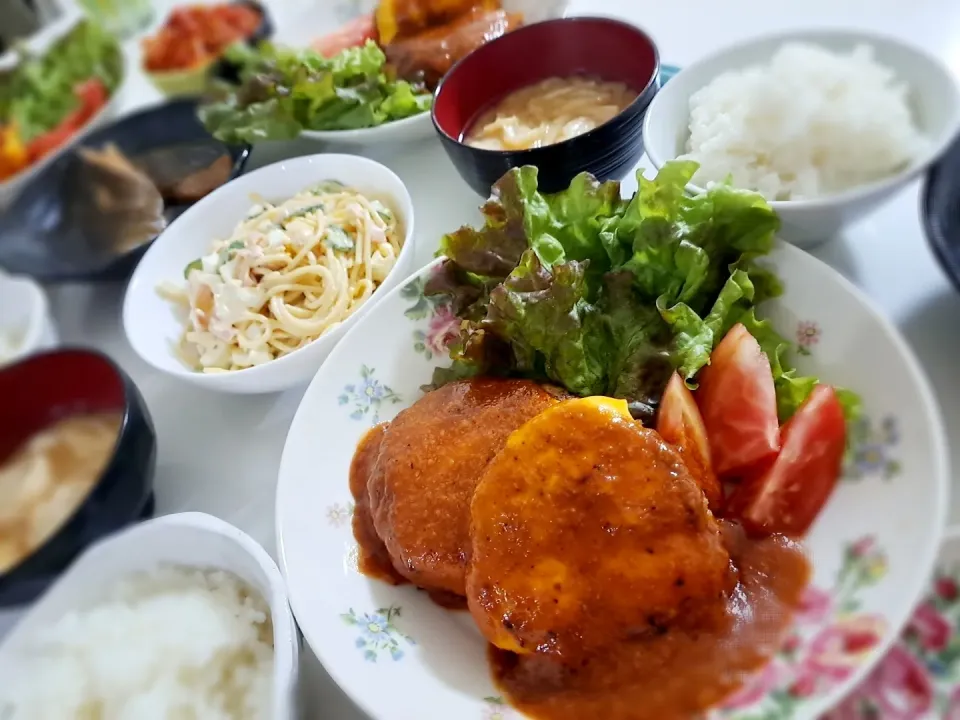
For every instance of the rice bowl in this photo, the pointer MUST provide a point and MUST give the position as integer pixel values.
(203, 645)
(194, 540)
(933, 99)
(810, 123)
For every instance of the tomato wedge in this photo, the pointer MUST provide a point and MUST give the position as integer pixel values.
(354, 34)
(787, 497)
(739, 404)
(680, 424)
(92, 95)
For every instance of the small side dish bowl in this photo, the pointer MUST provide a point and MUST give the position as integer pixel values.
(417, 127)
(188, 82)
(47, 387)
(39, 44)
(934, 98)
(193, 540)
(26, 326)
(37, 234)
(604, 48)
(151, 322)
(193, 81)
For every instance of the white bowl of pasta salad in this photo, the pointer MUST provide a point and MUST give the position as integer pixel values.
(250, 289)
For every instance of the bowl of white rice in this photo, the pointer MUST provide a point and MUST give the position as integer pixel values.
(826, 124)
(180, 617)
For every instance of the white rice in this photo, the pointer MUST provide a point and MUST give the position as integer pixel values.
(810, 123)
(176, 644)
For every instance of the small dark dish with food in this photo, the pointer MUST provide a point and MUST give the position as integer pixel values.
(77, 458)
(940, 207)
(189, 47)
(604, 58)
(91, 214)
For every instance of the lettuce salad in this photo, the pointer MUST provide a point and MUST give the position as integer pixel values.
(283, 91)
(609, 296)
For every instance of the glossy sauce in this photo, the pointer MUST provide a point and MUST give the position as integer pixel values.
(373, 559)
(681, 673)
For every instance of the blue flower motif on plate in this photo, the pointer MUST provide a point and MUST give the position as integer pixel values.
(367, 397)
(872, 449)
(378, 634)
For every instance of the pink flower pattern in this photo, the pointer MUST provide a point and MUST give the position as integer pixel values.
(756, 688)
(831, 639)
(917, 680)
(815, 606)
(808, 335)
(443, 330)
(930, 628)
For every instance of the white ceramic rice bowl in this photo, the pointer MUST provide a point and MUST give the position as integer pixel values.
(194, 540)
(934, 97)
(152, 324)
(872, 548)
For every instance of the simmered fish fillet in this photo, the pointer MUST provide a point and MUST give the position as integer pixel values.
(588, 529)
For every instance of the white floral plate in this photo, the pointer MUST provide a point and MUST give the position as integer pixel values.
(418, 127)
(400, 657)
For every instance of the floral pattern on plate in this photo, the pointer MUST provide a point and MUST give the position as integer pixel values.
(872, 449)
(379, 637)
(496, 708)
(442, 324)
(829, 641)
(808, 335)
(367, 396)
(919, 679)
(339, 515)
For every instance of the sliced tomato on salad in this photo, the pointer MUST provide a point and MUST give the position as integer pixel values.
(738, 403)
(354, 34)
(789, 494)
(680, 424)
(92, 95)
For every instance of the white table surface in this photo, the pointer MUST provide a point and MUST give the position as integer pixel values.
(207, 460)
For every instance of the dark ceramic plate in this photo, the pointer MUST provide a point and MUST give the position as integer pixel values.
(940, 207)
(37, 237)
(43, 388)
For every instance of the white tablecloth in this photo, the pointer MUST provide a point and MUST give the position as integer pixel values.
(220, 453)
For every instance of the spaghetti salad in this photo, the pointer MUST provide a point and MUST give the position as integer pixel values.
(287, 274)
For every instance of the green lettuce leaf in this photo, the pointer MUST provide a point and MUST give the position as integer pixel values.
(283, 91)
(606, 296)
(637, 346)
(39, 92)
(256, 122)
(495, 249)
(542, 311)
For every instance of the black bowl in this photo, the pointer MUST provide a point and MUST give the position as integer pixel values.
(596, 47)
(940, 207)
(36, 237)
(43, 388)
